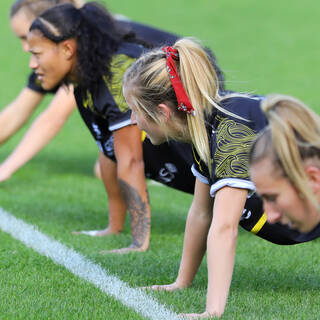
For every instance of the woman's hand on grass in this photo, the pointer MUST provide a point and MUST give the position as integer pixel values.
(167, 287)
(204, 315)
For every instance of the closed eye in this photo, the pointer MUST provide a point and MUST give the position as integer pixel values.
(269, 197)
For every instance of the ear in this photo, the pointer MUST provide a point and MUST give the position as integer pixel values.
(165, 111)
(313, 174)
(69, 48)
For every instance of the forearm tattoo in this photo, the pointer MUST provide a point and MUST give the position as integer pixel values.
(140, 222)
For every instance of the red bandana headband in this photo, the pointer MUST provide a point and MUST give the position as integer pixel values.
(184, 103)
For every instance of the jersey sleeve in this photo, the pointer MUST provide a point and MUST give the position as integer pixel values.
(118, 67)
(231, 143)
(108, 101)
(35, 85)
(199, 168)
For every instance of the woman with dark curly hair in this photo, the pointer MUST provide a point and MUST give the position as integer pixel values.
(88, 48)
(18, 112)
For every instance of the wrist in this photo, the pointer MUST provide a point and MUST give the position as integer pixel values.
(180, 283)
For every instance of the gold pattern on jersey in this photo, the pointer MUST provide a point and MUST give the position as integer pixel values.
(120, 63)
(233, 142)
(197, 160)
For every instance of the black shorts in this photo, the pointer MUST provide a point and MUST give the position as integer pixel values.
(170, 164)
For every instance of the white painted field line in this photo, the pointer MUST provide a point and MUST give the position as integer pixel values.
(79, 265)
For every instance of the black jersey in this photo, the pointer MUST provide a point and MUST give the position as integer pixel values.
(106, 111)
(230, 139)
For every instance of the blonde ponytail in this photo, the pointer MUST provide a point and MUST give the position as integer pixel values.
(149, 85)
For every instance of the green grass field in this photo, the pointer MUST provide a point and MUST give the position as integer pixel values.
(263, 47)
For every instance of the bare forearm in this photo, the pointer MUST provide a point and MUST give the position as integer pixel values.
(139, 209)
(9, 126)
(132, 184)
(134, 191)
(221, 256)
(116, 204)
(37, 137)
(194, 246)
(15, 115)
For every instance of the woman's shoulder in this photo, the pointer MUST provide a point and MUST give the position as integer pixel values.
(241, 104)
(242, 109)
(149, 34)
(130, 49)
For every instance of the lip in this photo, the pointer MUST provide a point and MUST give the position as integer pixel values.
(40, 76)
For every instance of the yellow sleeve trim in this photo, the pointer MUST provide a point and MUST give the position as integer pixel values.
(257, 227)
(143, 135)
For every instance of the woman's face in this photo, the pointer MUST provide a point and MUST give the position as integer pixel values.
(20, 24)
(52, 62)
(282, 202)
(154, 132)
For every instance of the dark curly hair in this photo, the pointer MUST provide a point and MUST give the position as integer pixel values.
(97, 35)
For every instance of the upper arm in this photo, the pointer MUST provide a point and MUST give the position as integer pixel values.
(202, 202)
(228, 206)
(26, 102)
(128, 144)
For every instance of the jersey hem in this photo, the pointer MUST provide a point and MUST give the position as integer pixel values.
(197, 174)
(233, 183)
(120, 125)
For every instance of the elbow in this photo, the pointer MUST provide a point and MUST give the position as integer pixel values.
(128, 165)
(58, 122)
(228, 233)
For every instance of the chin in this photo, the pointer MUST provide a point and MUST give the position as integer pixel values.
(46, 86)
(156, 142)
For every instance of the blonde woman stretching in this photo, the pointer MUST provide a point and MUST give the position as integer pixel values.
(173, 95)
(285, 164)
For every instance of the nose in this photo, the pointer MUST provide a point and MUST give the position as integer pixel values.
(273, 215)
(33, 64)
(25, 45)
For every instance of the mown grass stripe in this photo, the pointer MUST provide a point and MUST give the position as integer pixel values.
(136, 299)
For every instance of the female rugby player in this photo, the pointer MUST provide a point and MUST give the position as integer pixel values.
(285, 164)
(15, 115)
(88, 48)
(173, 95)
(51, 120)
